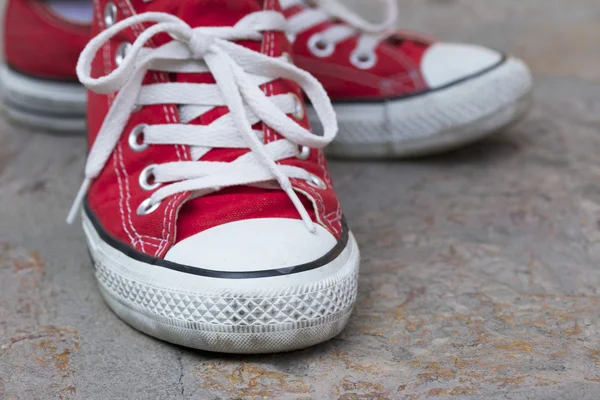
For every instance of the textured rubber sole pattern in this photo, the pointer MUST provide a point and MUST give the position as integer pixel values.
(262, 315)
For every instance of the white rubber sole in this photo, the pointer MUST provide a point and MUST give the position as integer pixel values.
(43, 104)
(241, 316)
(437, 121)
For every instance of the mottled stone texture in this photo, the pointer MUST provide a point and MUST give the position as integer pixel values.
(480, 273)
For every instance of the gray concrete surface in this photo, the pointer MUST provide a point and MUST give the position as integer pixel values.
(480, 275)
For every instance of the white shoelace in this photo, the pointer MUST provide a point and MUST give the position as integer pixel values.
(238, 73)
(371, 34)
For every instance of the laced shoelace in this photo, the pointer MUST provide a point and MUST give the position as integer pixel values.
(238, 72)
(323, 44)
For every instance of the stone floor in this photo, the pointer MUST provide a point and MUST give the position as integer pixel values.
(480, 270)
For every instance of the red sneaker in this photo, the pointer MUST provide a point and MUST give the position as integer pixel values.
(209, 213)
(42, 40)
(397, 94)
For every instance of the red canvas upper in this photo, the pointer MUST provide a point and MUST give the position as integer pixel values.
(39, 43)
(396, 73)
(116, 194)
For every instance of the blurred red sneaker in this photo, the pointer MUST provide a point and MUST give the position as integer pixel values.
(42, 41)
(208, 208)
(398, 94)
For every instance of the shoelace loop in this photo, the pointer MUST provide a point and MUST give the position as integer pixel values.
(238, 73)
(338, 10)
(370, 34)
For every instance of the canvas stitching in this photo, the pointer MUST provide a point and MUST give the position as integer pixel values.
(170, 117)
(125, 184)
(176, 199)
(169, 209)
(166, 230)
(133, 240)
(128, 199)
(110, 98)
(269, 45)
(338, 208)
(322, 209)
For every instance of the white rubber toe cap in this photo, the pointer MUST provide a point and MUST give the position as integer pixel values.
(445, 63)
(253, 245)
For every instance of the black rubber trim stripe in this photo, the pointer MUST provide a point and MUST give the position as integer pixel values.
(426, 92)
(159, 262)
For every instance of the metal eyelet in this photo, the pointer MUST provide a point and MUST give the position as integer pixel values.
(110, 14)
(304, 153)
(136, 141)
(317, 182)
(320, 47)
(298, 108)
(363, 60)
(145, 178)
(146, 207)
(121, 53)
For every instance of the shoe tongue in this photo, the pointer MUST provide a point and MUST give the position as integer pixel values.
(210, 13)
(198, 13)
